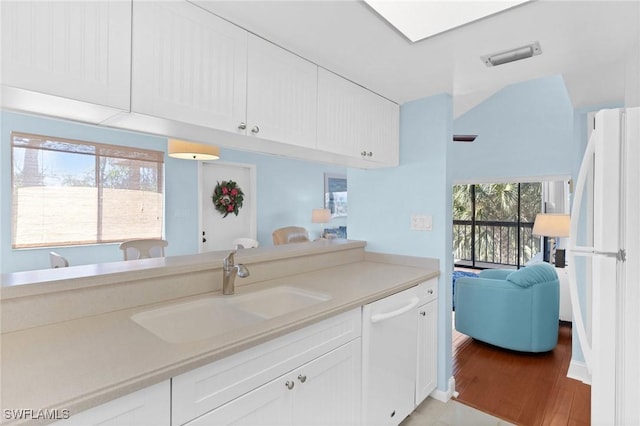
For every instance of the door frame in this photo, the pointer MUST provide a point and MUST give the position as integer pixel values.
(251, 195)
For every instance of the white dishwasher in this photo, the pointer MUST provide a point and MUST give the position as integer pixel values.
(389, 350)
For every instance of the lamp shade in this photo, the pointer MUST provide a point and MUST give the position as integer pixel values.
(551, 225)
(320, 215)
(192, 151)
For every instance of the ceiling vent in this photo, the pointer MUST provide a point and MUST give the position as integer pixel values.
(464, 138)
(512, 55)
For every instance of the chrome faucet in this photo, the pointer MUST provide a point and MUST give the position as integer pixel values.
(229, 272)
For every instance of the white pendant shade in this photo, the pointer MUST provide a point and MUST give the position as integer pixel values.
(192, 150)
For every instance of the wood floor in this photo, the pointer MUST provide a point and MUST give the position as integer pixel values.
(525, 389)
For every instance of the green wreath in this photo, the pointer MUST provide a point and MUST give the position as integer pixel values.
(227, 198)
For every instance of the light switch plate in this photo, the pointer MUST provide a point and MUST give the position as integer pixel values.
(421, 222)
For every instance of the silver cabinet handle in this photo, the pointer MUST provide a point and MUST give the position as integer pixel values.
(302, 378)
(423, 313)
(290, 384)
(369, 154)
(255, 130)
(430, 291)
(363, 153)
(242, 126)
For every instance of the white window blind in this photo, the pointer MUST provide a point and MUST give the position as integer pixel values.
(69, 192)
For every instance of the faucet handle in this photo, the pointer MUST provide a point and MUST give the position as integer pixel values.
(229, 260)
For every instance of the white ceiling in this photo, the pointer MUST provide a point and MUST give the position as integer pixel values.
(587, 42)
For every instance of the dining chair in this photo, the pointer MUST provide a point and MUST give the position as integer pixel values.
(143, 248)
(290, 234)
(245, 243)
(57, 260)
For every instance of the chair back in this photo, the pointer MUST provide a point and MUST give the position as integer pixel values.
(290, 234)
(239, 243)
(143, 248)
(57, 260)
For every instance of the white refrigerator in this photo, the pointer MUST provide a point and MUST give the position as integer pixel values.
(603, 261)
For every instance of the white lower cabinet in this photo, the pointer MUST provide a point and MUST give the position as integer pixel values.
(325, 391)
(427, 359)
(311, 374)
(149, 406)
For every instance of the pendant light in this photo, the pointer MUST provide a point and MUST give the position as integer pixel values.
(192, 150)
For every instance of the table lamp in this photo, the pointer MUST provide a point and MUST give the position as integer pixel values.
(552, 226)
(321, 216)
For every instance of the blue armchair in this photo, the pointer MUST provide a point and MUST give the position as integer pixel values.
(515, 310)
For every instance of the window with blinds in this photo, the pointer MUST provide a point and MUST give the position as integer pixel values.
(69, 192)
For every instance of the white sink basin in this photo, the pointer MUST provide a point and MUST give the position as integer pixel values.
(277, 301)
(196, 320)
(210, 316)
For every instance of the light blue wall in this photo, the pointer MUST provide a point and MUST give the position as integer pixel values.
(524, 130)
(381, 203)
(287, 191)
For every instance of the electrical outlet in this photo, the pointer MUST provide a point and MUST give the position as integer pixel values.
(421, 222)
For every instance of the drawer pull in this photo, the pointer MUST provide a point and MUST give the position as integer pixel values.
(430, 291)
(302, 378)
(423, 313)
(290, 384)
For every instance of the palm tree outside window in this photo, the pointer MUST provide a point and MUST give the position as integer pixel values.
(492, 224)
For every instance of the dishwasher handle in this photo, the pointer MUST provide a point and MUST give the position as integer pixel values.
(387, 315)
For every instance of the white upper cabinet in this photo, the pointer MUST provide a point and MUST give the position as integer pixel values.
(188, 65)
(356, 122)
(68, 49)
(282, 95)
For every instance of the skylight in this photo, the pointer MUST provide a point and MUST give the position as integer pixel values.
(419, 19)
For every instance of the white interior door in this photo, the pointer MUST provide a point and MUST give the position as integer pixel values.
(218, 232)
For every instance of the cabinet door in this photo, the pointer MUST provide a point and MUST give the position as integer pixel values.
(339, 118)
(69, 49)
(427, 368)
(380, 129)
(188, 65)
(149, 406)
(270, 404)
(282, 95)
(356, 122)
(328, 388)
(204, 389)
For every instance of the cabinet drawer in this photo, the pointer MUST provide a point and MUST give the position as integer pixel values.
(428, 290)
(203, 389)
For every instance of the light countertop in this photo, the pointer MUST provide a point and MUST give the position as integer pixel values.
(81, 363)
